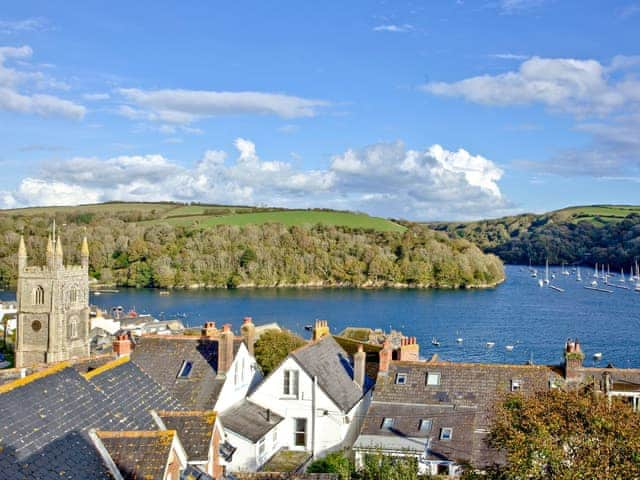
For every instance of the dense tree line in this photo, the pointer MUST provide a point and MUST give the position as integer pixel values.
(536, 238)
(128, 252)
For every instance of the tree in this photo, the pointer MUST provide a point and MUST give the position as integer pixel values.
(335, 462)
(379, 466)
(273, 346)
(566, 435)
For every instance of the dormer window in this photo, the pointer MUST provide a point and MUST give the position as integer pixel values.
(516, 385)
(433, 378)
(387, 423)
(446, 433)
(185, 369)
(401, 378)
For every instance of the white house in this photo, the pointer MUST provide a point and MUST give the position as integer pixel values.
(320, 394)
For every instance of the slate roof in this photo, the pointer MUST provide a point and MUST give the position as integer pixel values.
(327, 361)
(195, 430)
(45, 420)
(463, 401)
(161, 357)
(194, 473)
(249, 420)
(139, 455)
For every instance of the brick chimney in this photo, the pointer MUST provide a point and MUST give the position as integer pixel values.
(320, 329)
(122, 345)
(209, 330)
(359, 366)
(409, 350)
(385, 357)
(225, 349)
(248, 332)
(573, 358)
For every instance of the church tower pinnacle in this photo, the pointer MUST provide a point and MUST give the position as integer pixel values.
(22, 254)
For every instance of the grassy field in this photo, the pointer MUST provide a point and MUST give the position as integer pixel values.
(289, 217)
(597, 214)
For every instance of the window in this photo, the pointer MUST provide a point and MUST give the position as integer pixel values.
(516, 385)
(425, 424)
(274, 438)
(433, 378)
(446, 433)
(185, 369)
(73, 327)
(290, 386)
(401, 378)
(387, 423)
(261, 448)
(300, 432)
(38, 296)
(73, 295)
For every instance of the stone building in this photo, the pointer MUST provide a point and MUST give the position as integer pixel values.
(53, 307)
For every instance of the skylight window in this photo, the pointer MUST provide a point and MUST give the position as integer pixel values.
(401, 378)
(387, 423)
(425, 424)
(516, 385)
(185, 369)
(446, 433)
(433, 378)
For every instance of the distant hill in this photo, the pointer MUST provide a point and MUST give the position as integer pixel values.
(204, 215)
(193, 245)
(583, 234)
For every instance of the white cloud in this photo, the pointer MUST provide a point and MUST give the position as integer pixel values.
(518, 6)
(12, 100)
(10, 27)
(383, 178)
(186, 106)
(394, 28)
(580, 87)
(96, 96)
(509, 56)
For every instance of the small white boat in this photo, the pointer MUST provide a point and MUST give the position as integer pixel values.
(622, 279)
(435, 342)
(509, 348)
(534, 273)
(546, 272)
(565, 272)
(490, 344)
(557, 289)
(578, 276)
(595, 272)
(540, 283)
(597, 356)
(594, 283)
(459, 340)
(97, 293)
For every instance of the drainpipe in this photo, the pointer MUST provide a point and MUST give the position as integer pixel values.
(313, 417)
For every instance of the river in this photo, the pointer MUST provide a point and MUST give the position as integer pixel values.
(536, 321)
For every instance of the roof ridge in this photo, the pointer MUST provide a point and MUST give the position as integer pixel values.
(107, 366)
(7, 387)
(135, 433)
(465, 364)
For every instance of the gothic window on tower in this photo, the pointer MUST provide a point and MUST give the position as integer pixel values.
(73, 327)
(38, 295)
(73, 295)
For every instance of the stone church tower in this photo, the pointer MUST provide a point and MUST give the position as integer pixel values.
(53, 307)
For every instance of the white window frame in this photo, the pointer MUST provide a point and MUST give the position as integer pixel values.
(401, 378)
(261, 448)
(425, 425)
(297, 432)
(434, 375)
(291, 383)
(183, 367)
(446, 434)
(516, 385)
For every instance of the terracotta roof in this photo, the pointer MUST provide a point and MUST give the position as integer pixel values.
(139, 454)
(195, 430)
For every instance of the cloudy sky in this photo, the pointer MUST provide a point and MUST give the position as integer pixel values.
(448, 109)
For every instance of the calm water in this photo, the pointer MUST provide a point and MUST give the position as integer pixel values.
(535, 320)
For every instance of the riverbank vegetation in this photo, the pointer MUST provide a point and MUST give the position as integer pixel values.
(577, 235)
(129, 247)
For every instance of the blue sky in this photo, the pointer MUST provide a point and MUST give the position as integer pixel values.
(420, 110)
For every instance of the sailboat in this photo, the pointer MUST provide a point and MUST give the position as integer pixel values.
(578, 277)
(622, 280)
(564, 270)
(595, 271)
(546, 272)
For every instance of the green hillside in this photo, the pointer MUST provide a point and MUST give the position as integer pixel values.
(583, 234)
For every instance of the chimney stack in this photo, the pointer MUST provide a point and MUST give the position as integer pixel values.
(122, 345)
(268, 415)
(320, 329)
(385, 357)
(573, 358)
(359, 366)
(225, 349)
(248, 332)
(409, 350)
(209, 330)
